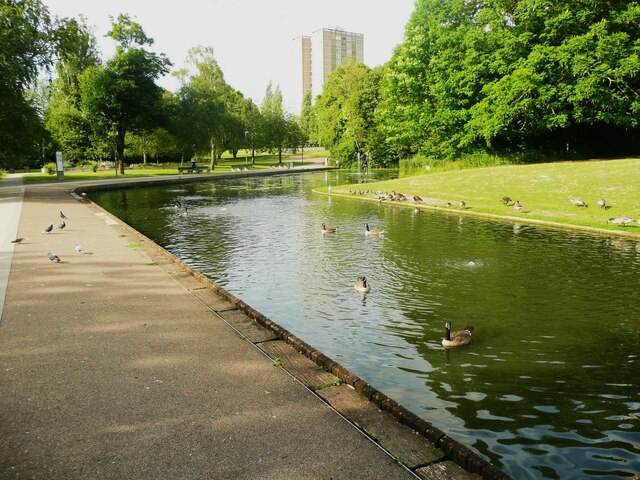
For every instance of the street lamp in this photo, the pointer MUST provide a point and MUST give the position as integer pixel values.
(246, 154)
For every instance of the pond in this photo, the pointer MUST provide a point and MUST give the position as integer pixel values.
(549, 386)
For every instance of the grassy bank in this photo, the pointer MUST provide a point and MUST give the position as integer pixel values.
(544, 190)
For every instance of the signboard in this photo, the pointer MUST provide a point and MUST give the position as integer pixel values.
(59, 166)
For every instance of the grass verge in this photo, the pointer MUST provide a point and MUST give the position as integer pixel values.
(544, 190)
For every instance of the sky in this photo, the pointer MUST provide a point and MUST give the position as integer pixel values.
(252, 39)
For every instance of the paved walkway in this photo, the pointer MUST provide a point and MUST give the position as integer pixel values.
(113, 369)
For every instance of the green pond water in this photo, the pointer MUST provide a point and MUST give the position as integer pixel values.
(549, 386)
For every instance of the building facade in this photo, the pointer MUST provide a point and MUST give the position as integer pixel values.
(319, 55)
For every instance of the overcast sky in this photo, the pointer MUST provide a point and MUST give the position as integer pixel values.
(252, 39)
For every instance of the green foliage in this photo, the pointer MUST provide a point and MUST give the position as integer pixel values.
(344, 112)
(50, 168)
(122, 96)
(24, 48)
(500, 75)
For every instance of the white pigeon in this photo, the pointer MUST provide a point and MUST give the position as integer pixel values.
(79, 248)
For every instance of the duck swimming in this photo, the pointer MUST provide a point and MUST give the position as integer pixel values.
(456, 339)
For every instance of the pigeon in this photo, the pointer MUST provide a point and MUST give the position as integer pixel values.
(18, 240)
(79, 248)
(62, 225)
(53, 257)
(48, 229)
(62, 215)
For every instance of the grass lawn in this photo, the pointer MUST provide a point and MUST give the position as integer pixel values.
(544, 190)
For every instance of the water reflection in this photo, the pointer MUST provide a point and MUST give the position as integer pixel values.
(548, 387)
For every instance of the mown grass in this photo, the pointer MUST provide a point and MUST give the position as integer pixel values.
(544, 190)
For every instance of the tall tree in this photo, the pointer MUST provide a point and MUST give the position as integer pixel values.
(345, 109)
(123, 95)
(275, 129)
(76, 51)
(24, 49)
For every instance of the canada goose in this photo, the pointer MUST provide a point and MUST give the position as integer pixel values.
(578, 202)
(602, 203)
(372, 231)
(456, 339)
(517, 205)
(448, 204)
(417, 198)
(462, 204)
(622, 220)
(398, 197)
(361, 285)
(326, 229)
(506, 200)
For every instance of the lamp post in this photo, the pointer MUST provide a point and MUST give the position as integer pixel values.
(246, 154)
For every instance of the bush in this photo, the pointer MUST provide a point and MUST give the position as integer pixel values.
(50, 168)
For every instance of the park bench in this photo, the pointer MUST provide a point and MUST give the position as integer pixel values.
(193, 169)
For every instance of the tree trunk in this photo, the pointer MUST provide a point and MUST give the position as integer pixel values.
(120, 150)
(144, 157)
(279, 154)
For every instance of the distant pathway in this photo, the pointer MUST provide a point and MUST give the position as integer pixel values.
(11, 195)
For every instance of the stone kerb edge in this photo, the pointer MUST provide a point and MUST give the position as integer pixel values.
(454, 450)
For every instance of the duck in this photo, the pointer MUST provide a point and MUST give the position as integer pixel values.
(372, 231)
(622, 220)
(361, 285)
(456, 339)
(506, 200)
(602, 203)
(578, 202)
(517, 205)
(326, 229)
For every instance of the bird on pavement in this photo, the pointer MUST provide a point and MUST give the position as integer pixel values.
(18, 240)
(48, 229)
(79, 248)
(62, 225)
(62, 215)
(53, 257)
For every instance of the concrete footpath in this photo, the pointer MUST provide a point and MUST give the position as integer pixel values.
(120, 363)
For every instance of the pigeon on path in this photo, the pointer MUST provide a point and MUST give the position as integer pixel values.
(53, 257)
(18, 240)
(62, 215)
(62, 225)
(48, 229)
(79, 248)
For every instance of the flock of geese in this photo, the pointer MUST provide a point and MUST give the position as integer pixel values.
(622, 220)
(451, 339)
(50, 255)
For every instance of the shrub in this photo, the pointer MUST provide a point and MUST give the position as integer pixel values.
(50, 168)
